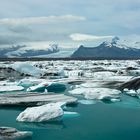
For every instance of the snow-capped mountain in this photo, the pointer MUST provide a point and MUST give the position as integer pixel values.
(116, 48)
(25, 51)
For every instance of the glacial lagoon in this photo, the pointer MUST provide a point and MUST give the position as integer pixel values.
(98, 121)
(98, 118)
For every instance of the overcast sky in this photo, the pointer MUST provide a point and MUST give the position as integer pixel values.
(67, 20)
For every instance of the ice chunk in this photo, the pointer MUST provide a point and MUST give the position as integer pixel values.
(26, 68)
(49, 86)
(9, 133)
(11, 88)
(103, 93)
(87, 102)
(30, 82)
(91, 84)
(39, 88)
(97, 93)
(103, 75)
(73, 73)
(131, 92)
(70, 114)
(48, 112)
(79, 91)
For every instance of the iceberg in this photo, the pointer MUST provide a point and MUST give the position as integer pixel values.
(87, 102)
(103, 94)
(48, 112)
(11, 88)
(47, 86)
(26, 68)
(68, 114)
(103, 75)
(29, 82)
(97, 93)
(9, 133)
(39, 88)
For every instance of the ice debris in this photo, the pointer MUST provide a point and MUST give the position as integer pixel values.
(48, 112)
(9, 133)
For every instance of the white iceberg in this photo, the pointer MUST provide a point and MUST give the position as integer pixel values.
(97, 93)
(103, 93)
(40, 87)
(29, 82)
(103, 75)
(26, 68)
(48, 112)
(91, 84)
(48, 86)
(11, 88)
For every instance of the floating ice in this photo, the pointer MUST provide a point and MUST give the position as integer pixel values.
(70, 114)
(104, 75)
(87, 102)
(97, 93)
(103, 93)
(48, 112)
(91, 84)
(30, 82)
(9, 133)
(11, 88)
(39, 88)
(49, 86)
(26, 68)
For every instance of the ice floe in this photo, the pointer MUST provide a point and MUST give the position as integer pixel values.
(87, 102)
(97, 93)
(39, 88)
(47, 86)
(104, 75)
(9, 88)
(45, 113)
(48, 112)
(9, 133)
(24, 67)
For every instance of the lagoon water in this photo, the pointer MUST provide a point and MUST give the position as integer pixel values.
(100, 121)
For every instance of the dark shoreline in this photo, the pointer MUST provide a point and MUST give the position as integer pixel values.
(64, 59)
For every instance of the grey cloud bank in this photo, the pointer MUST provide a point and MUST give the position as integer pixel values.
(52, 20)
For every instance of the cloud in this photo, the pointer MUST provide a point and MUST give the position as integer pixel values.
(41, 20)
(86, 37)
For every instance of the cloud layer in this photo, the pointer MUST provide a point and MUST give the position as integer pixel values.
(86, 37)
(41, 20)
(58, 21)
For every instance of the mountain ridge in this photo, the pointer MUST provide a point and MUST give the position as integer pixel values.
(107, 50)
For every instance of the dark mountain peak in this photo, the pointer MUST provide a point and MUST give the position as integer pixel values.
(114, 49)
(81, 46)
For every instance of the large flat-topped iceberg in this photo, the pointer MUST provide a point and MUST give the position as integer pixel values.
(9, 133)
(30, 99)
(48, 112)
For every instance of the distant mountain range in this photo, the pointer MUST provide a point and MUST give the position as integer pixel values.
(114, 49)
(21, 51)
(109, 50)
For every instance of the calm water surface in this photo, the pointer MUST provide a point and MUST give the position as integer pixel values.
(100, 121)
